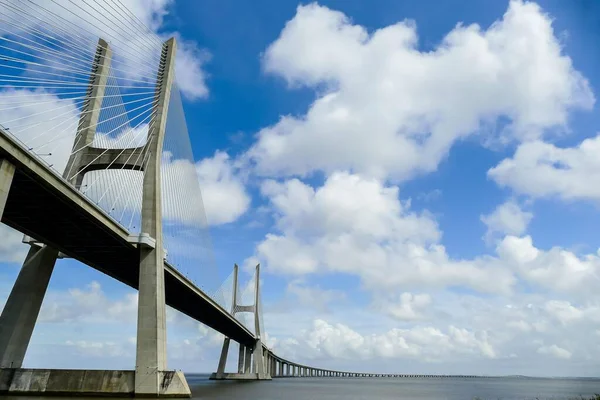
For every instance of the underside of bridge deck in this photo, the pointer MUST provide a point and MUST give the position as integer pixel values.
(39, 207)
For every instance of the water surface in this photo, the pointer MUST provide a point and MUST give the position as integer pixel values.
(506, 388)
(396, 388)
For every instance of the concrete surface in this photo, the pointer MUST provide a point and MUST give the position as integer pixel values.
(100, 383)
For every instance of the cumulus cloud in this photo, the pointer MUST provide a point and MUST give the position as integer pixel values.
(223, 192)
(89, 304)
(507, 219)
(324, 340)
(43, 121)
(541, 169)
(387, 109)
(357, 225)
(313, 296)
(555, 351)
(556, 269)
(101, 349)
(407, 307)
(12, 249)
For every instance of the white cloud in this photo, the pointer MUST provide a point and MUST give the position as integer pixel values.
(507, 219)
(44, 122)
(12, 249)
(555, 351)
(563, 311)
(101, 349)
(556, 269)
(347, 203)
(540, 169)
(90, 304)
(313, 296)
(410, 306)
(567, 313)
(225, 198)
(358, 226)
(325, 340)
(386, 109)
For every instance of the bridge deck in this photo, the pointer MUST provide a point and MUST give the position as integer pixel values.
(43, 205)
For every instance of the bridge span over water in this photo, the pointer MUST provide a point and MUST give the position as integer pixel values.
(65, 213)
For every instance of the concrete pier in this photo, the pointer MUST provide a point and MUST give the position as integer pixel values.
(23, 305)
(17, 381)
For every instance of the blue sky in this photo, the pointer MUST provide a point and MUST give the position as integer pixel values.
(418, 189)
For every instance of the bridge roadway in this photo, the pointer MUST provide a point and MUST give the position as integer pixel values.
(45, 206)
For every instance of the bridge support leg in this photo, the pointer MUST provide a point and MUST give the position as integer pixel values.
(248, 360)
(7, 172)
(241, 359)
(23, 305)
(223, 359)
(259, 363)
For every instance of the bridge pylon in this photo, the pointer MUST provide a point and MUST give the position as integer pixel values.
(25, 300)
(252, 361)
(150, 377)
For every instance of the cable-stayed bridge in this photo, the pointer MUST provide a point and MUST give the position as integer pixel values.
(96, 165)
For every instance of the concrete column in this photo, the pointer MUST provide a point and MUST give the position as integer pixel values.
(267, 360)
(259, 363)
(23, 305)
(7, 172)
(241, 359)
(90, 113)
(248, 360)
(223, 358)
(151, 351)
